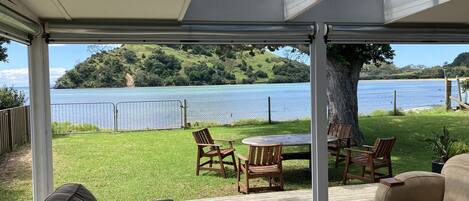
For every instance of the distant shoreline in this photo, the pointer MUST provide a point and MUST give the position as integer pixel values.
(376, 80)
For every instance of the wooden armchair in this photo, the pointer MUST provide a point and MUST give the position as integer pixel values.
(262, 161)
(373, 158)
(343, 134)
(204, 139)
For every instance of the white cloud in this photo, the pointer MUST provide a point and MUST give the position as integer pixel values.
(19, 76)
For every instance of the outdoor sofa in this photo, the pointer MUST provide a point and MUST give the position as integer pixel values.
(451, 185)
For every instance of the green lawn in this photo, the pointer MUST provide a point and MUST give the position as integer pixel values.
(161, 164)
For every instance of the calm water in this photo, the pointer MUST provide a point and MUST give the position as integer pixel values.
(228, 103)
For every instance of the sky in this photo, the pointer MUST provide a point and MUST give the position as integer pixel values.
(64, 57)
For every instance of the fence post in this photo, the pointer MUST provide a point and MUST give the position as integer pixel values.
(395, 103)
(185, 114)
(459, 94)
(10, 130)
(116, 126)
(269, 109)
(27, 126)
(447, 94)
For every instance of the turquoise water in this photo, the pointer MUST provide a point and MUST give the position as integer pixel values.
(228, 103)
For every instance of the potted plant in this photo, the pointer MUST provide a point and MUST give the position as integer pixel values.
(444, 147)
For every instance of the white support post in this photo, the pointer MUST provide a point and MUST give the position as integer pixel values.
(319, 121)
(41, 135)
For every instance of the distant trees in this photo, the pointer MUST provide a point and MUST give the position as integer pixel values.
(177, 65)
(201, 74)
(290, 71)
(10, 97)
(461, 60)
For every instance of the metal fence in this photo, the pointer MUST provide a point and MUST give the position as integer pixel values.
(122, 116)
(148, 115)
(169, 114)
(14, 128)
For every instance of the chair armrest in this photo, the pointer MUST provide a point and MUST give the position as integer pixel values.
(367, 147)
(209, 145)
(241, 157)
(416, 186)
(358, 150)
(226, 140)
(391, 182)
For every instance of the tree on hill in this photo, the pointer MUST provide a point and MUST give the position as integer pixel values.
(461, 60)
(344, 64)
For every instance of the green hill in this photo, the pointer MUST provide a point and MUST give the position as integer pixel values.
(168, 65)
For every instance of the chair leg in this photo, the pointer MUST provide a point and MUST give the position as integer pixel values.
(238, 178)
(282, 182)
(246, 177)
(234, 162)
(197, 167)
(347, 166)
(390, 170)
(337, 154)
(222, 167)
(270, 182)
(363, 171)
(211, 162)
(373, 178)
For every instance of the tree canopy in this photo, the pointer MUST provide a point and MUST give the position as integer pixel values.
(176, 65)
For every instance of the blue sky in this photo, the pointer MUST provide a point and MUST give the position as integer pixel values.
(64, 57)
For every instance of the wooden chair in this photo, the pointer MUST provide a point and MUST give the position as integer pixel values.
(373, 158)
(204, 139)
(262, 161)
(343, 134)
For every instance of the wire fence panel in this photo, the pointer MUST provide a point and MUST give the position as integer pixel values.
(226, 111)
(148, 115)
(291, 108)
(82, 117)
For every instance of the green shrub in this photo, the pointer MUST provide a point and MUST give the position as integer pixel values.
(243, 122)
(68, 127)
(381, 113)
(445, 145)
(10, 97)
(465, 85)
(458, 148)
(204, 124)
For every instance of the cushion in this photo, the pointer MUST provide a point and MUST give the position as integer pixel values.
(71, 192)
(418, 186)
(456, 172)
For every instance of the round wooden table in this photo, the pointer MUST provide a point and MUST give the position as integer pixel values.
(284, 140)
(287, 140)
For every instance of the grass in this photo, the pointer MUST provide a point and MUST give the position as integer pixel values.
(160, 164)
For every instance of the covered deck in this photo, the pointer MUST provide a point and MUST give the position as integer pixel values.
(38, 23)
(363, 192)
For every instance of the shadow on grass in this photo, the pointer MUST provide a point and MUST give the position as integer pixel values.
(15, 175)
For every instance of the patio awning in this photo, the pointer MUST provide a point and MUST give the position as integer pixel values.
(397, 34)
(168, 32)
(17, 27)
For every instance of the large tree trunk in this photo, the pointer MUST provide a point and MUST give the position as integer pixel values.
(342, 95)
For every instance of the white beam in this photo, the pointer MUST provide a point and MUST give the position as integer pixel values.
(184, 8)
(41, 135)
(293, 8)
(398, 9)
(319, 122)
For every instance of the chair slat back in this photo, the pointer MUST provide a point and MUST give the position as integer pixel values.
(340, 131)
(203, 136)
(383, 147)
(265, 155)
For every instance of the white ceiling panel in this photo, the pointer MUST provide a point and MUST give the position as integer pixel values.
(107, 9)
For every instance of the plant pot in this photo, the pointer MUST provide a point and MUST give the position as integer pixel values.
(437, 165)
